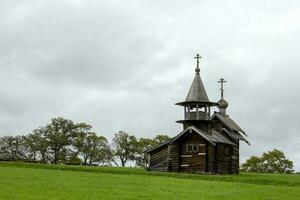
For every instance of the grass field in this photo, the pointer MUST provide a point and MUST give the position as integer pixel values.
(35, 181)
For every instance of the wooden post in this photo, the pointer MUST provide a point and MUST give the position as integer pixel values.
(216, 159)
(179, 157)
(230, 159)
(206, 157)
(169, 159)
(197, 111)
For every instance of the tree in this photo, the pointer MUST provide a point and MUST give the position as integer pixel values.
(270, 162)
(159, 139)
(41, 143)
(79, 137)
(276, 162)
(123, 148)
(60, 141)
(143, 144)
(92, 146)
(98, 150)
(13, 148)
(30, 141)
(103, 154)
(141, 157)
(58, 136)
(253, 164)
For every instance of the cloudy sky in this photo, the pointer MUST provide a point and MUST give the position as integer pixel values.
(121, 65)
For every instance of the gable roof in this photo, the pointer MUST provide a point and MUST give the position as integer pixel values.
(200, 132)
(197, 91)
(235, 135)
(228, 122)
(215, 137)
(157, 146)
(220, 138)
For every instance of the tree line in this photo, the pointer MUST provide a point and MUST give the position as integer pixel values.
(63, 141)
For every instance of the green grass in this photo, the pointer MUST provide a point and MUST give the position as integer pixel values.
(35, 181)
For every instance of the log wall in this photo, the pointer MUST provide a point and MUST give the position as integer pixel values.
(159, 159)
(192, 161)
(174, 157)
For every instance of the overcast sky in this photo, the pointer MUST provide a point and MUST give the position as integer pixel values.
(121, 65)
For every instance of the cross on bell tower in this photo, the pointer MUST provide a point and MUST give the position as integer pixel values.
(222, 81)
(197, 70)
(197, 106)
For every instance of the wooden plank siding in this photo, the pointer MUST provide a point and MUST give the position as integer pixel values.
(211, 157)
(159, 159)
(192, 161)
(224, 159)
(175, 157)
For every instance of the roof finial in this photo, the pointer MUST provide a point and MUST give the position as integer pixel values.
(197, 70)
(222, 81)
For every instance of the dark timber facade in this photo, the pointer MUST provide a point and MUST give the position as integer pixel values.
(208, 143)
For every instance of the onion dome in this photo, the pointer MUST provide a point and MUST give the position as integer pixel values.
(222, 104)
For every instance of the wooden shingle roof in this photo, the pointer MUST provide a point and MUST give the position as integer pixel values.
(228, 122)
(197, 91)
(235, 135)
(197, 94)
(215, 137)
(220, 138)
(205, 135)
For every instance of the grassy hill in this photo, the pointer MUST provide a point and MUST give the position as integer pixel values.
(35, 181)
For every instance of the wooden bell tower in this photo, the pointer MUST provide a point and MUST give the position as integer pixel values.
(197, 107)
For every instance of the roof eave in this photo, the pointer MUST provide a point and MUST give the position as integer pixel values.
(196, 130)
(157, 147)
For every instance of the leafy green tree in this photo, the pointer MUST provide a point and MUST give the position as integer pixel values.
(60, 141)
(98, 150)
(40, 144)
(58, 136)
(253, 164)
(79, 135)
(270, 162)
(141, 157)
(13, 148)
(30, 142)
(159, 139)
(92, 146)
(143, 144)
(124, 148)
(103, 155)
(276, 162)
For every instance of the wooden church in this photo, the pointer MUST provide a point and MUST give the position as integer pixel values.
(208, 143)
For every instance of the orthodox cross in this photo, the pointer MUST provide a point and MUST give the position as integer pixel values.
(197, 69)
(222, 81)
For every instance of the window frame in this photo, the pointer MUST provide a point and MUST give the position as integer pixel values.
(192, 148)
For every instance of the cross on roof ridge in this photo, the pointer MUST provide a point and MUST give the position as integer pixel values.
(197, 70)
(222, 81)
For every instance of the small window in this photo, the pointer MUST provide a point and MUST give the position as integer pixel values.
(195, 148)
(192, 148)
